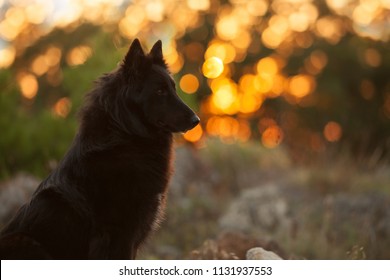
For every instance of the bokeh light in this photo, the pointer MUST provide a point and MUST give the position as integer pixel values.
(212, 67)
(240, 57)
(78, 55)
(301, 85)
(333, 131)
(28, 85)
(223, 51)
(189, 83)
(272, 136)
(7, 57)
(62, 107)
(195, 134)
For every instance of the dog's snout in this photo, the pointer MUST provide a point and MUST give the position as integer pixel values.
(195, 120)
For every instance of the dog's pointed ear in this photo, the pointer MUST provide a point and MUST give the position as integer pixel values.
(157, 55)
(156, 51)
(134, 57)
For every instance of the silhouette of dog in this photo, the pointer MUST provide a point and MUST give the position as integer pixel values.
(108, 193)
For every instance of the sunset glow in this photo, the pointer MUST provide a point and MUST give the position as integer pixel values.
(232, 57)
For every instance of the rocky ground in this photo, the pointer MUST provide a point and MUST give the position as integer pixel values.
(228, 199)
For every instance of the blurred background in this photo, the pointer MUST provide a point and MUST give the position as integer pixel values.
(292, 153)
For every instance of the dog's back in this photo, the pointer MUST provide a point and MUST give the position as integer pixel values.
(108, 192)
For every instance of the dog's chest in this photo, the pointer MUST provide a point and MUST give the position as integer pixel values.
(131, 181)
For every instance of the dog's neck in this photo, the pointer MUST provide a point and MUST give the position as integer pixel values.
(93, 139)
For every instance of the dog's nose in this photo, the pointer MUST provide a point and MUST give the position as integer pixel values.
(195, 120)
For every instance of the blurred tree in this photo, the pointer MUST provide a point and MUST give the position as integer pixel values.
(310, 75)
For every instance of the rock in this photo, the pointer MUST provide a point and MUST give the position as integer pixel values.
(261, 254)
(239, 243)
(232, 245)
(304, 218)
(264, 207)
(14, 193)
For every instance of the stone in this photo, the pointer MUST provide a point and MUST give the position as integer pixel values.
(14, 193)
(259, 253)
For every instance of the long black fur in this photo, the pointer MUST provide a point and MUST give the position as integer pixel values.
(109, 191)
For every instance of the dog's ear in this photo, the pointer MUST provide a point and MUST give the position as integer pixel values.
(157, 55)
(134, 61)
(156, 51)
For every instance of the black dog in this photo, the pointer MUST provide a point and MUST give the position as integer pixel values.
(108, 192)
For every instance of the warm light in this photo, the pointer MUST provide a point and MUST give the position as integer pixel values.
(298, 22)
(372, 57)
(228, 27)
(189, 83)
(39, 65)
(263, 84)
(224, 97)
(271, 39)
(272, 136)
(228, 127)
(278, 86)
(276, 32)
(246, 83)
(337, 4)
(201, 5)
(70, 11)
(332, 131)
(225, 127)
(28, 85)
(318, 59)
(36, 13)
(365, 13)
(78, 55)
(135, 14)
(267, 66)
(279, 25)
(53, 56)
(385, 4)
(173, 58)
(134, 20)
(62, 107)
(330, 28)
(8, 31)
(176, 65)
(155, 11)
(224, 51)
(257, 7)
(264, 123)
(194, 134)
(242, 40)
(16, 17)
(7, 57)
(212, 67)
(249, 103)
(301, 85)
(244, 131)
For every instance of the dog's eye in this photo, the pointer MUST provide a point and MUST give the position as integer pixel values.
(161, 91)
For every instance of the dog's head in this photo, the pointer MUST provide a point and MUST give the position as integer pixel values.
(151, 90)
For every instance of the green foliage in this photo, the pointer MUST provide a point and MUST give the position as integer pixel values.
(29, 142)
(33, 138)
